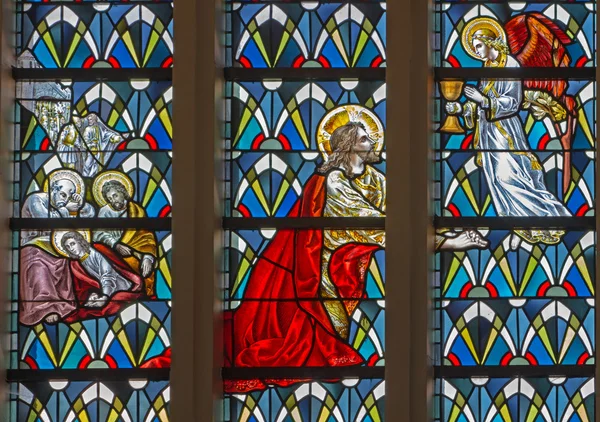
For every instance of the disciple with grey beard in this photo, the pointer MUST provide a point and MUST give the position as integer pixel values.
(45, 286)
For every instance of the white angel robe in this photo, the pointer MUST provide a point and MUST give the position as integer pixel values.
(515, 179)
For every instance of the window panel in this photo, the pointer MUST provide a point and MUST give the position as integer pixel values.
(144, 176)
(346, 400)
(90, 282)
(547, 110)
(134, 114)
(36, 251)
(243, 247)
(287, 115)
(563, 269)
(358, 323)
(268, 184)
(339, 34)
(58, 400)
(545, 398)
(513, 332)
(95, 35)
(138, 335)
(468, 189)
(569, 28)
(514, 200)
(285, 174)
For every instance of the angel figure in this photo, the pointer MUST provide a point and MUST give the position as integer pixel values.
(513, 173)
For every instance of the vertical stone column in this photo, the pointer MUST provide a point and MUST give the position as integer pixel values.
(7, 93)
(408, 248)
(197, 81)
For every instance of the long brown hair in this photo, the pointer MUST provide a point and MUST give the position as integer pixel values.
(342, 141)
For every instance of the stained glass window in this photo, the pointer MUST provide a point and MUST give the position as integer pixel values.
(304, 200)
(91, 227)
(514, 204)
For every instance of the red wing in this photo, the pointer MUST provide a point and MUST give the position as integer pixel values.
(536, 41)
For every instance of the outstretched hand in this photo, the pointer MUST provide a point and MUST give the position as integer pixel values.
(469, 239)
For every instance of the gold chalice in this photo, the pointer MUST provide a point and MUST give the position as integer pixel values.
(451, 91)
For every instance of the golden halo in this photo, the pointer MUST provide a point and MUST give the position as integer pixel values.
(344, 114)
(107, 176)
(57, 236)
(63, 174)
(478, 24)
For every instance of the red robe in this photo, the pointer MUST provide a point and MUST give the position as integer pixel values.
(84, 285)
(297, 331)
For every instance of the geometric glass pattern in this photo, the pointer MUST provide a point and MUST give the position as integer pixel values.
(514, 205)
(304, 187)
(90, 282)
(552, 398)
(339, 35)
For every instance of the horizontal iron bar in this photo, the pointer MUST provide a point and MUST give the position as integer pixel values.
(89, 2)
(89, 374)
(234, 223)
(304, 1)
(439, 152)
(513, 371)
(317, 73)
(515, 73)
(304, 372)
(501, 2)
(93, 74)
(507, 223)
(90, 223)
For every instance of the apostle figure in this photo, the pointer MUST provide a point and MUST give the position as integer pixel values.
(292, 327)
(100, 141)
(77, 247)
(45, 285)
(514, 174)
(102, 282)
(86, 144)
(113, 191)
(70, 146)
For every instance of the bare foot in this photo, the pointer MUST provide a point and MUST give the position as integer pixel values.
(52, 319)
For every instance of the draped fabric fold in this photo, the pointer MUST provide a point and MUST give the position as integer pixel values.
(84, 285)
(282, 323)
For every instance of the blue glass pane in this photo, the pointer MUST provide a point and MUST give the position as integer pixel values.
(308, 34)
(347, 400)
(274, 114)
(138, 400)
(95, 35)
(550, 399)
(562, 269)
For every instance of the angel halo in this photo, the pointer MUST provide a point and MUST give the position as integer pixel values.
(485, 29)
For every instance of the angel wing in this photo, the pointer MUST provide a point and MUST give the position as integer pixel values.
(536, 41)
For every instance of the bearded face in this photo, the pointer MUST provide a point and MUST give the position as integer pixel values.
(62, 190)
(365, 147)
(116, 199)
